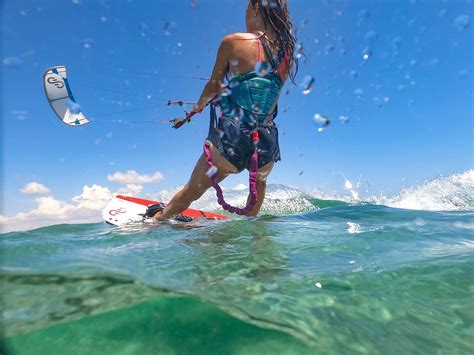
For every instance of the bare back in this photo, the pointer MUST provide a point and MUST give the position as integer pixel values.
(238, 54)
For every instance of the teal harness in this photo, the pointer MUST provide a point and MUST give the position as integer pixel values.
(250, 97)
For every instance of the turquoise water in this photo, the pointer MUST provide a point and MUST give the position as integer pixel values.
(342, 279)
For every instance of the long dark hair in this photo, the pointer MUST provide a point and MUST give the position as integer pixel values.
(275, 13)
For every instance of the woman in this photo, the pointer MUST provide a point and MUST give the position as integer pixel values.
(255, 66)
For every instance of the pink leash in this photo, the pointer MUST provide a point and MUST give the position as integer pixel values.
(252, 180)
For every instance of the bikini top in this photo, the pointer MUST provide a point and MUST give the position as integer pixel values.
(252, 96)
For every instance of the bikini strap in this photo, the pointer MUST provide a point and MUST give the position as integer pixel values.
(283, 66)
(277, 67)
(268, 52)
(259, 45)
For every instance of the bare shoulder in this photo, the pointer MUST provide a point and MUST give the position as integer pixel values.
(234, 37)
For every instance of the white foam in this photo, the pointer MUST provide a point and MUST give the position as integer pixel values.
(448, 193)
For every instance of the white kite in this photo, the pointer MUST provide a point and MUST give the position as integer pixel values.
(60, 97)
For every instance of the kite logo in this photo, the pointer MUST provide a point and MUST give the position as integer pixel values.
(117, 211)
(53, 81)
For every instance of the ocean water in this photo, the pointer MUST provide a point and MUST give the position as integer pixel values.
(327, 276)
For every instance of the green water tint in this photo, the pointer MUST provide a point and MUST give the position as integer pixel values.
(327, 203)
(161, 326)
(392, 281)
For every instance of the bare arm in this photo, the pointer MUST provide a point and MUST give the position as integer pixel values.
(213, 86)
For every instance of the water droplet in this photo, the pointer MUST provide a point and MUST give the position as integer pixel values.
(212, 171)
(12, 61)
(234, 84)
(256, 108)
(353, 228)
(237, 113)
(396, 42)
(262, 68)
(318, 285)
(321, 121)
(234, 62)
(299, 50)
(348, 184)
(433, 62)
(301, 173)
(353, 74)
(273, 4)
(97, 141)
(144, 30)
(148, 97)
(73, 107)
(366, 53)
(359, 93)
(307, 84)
(87, 43)
(377, 101)
(231, 152)
(462, 22)
(343, 118)
(329, 49)
(167, 28)
(352, 262)
(363, 15)
(371, 36)
(226, 92)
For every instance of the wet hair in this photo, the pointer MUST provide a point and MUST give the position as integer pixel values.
(275, 13)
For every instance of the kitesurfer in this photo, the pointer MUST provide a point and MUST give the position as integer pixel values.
(253, 67)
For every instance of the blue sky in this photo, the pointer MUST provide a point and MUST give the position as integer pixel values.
(411, 121)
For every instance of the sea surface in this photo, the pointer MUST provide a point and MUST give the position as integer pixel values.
(326, 276)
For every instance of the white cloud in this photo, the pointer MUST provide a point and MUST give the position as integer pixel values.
(35, 188)
(85, 208)
(132, 177)
(94, 197)
(130, 189)
(240, 187)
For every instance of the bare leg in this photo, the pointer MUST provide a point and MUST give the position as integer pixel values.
(197, 185)
(261, 187)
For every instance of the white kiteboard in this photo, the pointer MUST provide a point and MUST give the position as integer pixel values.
(123, 210)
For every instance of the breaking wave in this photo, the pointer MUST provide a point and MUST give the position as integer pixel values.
(448, 193)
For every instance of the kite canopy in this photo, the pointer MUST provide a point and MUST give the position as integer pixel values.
(60, 97)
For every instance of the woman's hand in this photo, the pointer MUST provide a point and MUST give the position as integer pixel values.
(198, 108)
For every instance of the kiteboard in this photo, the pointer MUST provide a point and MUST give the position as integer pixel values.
(123, 210)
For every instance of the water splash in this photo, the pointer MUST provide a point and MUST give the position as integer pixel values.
(262, 68)
(448, 193)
